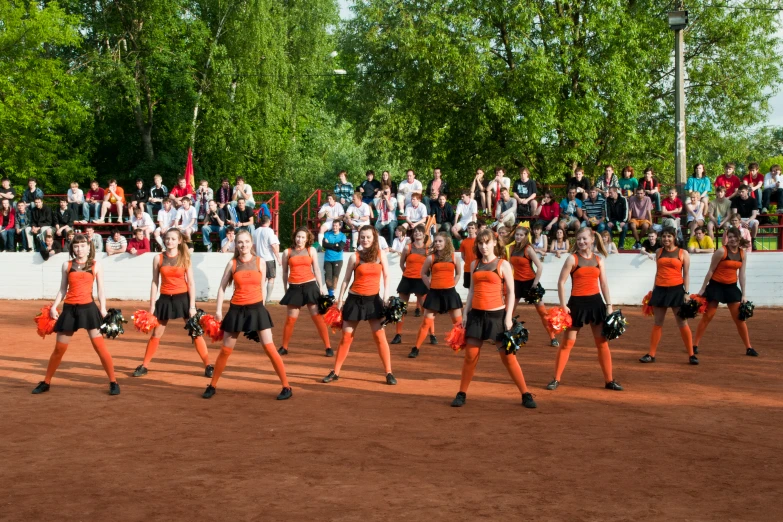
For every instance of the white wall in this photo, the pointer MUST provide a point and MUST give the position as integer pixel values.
(631, 276)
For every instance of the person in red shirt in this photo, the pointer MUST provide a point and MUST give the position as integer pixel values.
(651, 187)
(548, 212)
(180, 191)
(671, 211)
(729, 180)
(95, 199)
(138, 244)
(754, 181)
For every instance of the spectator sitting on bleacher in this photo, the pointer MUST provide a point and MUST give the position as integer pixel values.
(245, 217)
(505, 210)
(95, 200)
(755, 182)
(478, 191)
(548, 212)
(95, 239)
(227, 245)
(167, 218)
(158, 194)
(215, 222)
(560, 245)
(773, 188)
(696, 209)
(467, 211)
(617, 215)
(47, 246)
(745, 206)
(386, 205)
(651, 245)
(243, 190)
(143, 221)
(651, 187)
(77, 204)
(525, 194)
(223, 196)
(113, 201)
(611, 248)
(435, 187)
(333, 244)
(357, 215)
(495, 187)
(700, 183)
(627, 182)
(718, 212)
(7, 229)
(329, 212)
(68, 240)
(401, 240)
(640, 215)
(343, 189)
(607, 181)
(539, 241)
(181, 191)
(268, 248)
(31, 192)
(41, 220)
(444, 215)
(729, 180)
(415, 213)
(700, 242)
(140, 197)
(570, 211)
(139, 243)
(63, 220)
(203, 196)
(594, 213)
(22, 227)
(369, 187)
(387, 180)
(671, 210)
(409, 186)
(187, 221)
(116, 243)
(735, 221)
(580, 183)
(6, 192)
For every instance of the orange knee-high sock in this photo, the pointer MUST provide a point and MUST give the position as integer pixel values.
(288, 330)
(220, 364)
(277, 363)
(342, 351)
(687, 338)
(152, 347)
(398, 328)
(424, 329)
(323, 331)
(108, 364)
(742, 326)
(562, 357)
(655, 338)
(54, 361)
(704, 323)
(542, 315)
(514, 370)
(469, 366)
(383, 349)
(604, 358)
(201, 348)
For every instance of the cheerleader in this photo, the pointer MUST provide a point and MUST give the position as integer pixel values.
(671, 281)
(585, 304)
(441, 273)
(79, 310)
(720, 286)
(303, 286)
(488, 315)
(411, 262)
(366, 267)
(177, 297)
(523, 257)
(247, 312)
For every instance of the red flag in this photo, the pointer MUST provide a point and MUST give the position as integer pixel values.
(189, 171)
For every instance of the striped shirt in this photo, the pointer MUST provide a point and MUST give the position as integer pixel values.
(595, 209)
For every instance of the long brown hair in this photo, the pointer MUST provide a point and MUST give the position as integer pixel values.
(597, 240)
(308, 237)
(370, 255)
(81, 238)
(517, 246)
(183, 253)
(743, 243)
(447, 253)
(236, 236)
(484, 236)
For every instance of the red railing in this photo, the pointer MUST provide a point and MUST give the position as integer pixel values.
(305, 211)
(274, 208)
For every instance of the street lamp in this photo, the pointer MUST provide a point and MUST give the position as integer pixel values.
(678, 21)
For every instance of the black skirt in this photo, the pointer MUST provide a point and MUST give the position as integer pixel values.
(442, 301)
(667, 296)
(409, 286)
(522, 288)
(172, 306)
(723, 292)
(587, 309)
(485, 325)
(246, 318)
(362, 307)
(301, 294)
(466, 279)
(75, 317)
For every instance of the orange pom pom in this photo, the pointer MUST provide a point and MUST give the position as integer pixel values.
(334, 318)
(456, 337)
(211, 328)
(646, 308)
(144, 321)
(702, 302)
(44, 324)
(558, 320)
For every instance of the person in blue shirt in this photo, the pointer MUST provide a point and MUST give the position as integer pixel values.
(571, 211)
(32, 192)
(333, 245)
(264, 211)
(700, 183)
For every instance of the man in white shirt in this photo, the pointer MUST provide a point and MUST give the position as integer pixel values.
(415, 213)
(772, 188)
(357, 215)
(167, 217)
(467, 209)
(328, 212)
(227, 245)
(495, 186)
(506, 210)
(244, 190)
(116, 244)
(186, 218)
(141, 219)
(407, 188)
(268, 248)
(76, 204)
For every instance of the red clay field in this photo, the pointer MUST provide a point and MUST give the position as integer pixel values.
(680, 443)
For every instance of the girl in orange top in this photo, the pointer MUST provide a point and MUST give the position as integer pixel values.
(79, 311)
(720, 286)
(671, 281)
(585, 304)
(440, 273)
(466, 249)
(303, 287)
(368, 268)
(247, 312)
(523, 259)
(411, 261)
(177, 297)
(488, 314)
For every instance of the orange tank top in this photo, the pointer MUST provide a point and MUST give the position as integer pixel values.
(172, 277)
(300, 266)
(442, 273)
(726, 271)
(585, 275)
(523, 266)
(414, 262)
(466, 249)
(80, 281)
(488, 286)
(247, 282)
(366, 277)
(670, 265)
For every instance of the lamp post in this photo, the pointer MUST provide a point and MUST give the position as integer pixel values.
(678, 21)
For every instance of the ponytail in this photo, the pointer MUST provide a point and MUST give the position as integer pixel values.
(183, 253)
(597, 241)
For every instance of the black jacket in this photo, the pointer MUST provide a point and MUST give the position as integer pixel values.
(41, 217)
(63, 219)
(617, 209)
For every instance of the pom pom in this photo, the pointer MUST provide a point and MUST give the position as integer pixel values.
(111, 327)
(535, 294)
(253, 336)
(702, 302)
(646, 308)
(394, 311)
(193, 324)
(144, 321)
(614, 325)
(44, 324)
(746, 310)
(516, 337)
(324, 303)
(558, 320)
(456, 337)
(694, 306)
(334, 318)
(211, 328)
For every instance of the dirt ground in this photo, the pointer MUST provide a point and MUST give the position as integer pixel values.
(681, 443)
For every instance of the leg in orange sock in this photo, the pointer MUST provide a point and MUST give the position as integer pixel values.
(343, 349)
(541, 309)
(108, 365)
(604, 355)
(687, 338)
(277, 363)
(655, 338)
(288, 330)
(220, 364)
(323, 331)
(712, 307)
(472, 352)
(514, 370)
(152, 347)
(201, 348)
(742, 326)
(562, 357)
(379, 336)
(424, 329)
(54, 360)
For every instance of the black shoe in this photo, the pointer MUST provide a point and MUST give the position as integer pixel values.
(114, 388)
(41, 388)
(527, 401)
(390, 379)
(647, 359)
(693, 360)
(553, 385)
(331, 377)
(414, 353)
(209, 392)
(209, 370)
(282, 351)
(285, 394)
(329, 352)
(554, 342)
(459, 400)
(397, 339)
(417, 312)
(612, 385)
(751, 352)
(433, 339)
(695, 350)
(140, 370)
